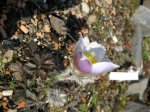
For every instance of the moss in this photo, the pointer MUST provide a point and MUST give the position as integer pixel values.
(146, 49)
(83, 108)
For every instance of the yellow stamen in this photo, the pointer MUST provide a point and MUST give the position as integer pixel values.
(90, 57)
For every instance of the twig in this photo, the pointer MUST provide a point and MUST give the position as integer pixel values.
(71, 37)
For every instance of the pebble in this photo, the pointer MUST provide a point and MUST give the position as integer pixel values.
(91, 19)
(85, 8)
(138, 88)
(118, 48)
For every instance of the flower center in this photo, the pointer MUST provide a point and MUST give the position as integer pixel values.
(90, 57)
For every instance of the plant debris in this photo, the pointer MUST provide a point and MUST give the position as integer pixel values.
(38, 40)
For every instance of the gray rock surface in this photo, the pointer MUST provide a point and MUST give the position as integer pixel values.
(146, 3)
(136, 107)
(138, 87)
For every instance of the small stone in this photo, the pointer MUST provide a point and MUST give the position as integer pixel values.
(14, 37)
(7, 92)
(91, 19)
(98, 3)
(35, 40)
(65, 57)
(85, 8)
(118, 48)
(39, 43)
(109, 2)
(24, 29)
(46, 28)
(115, 39)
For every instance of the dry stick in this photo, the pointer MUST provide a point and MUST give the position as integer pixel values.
(71, 37)
(88, 105)
(2, 31)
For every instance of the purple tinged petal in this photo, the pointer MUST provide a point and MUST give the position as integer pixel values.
(82, 64)
(79, 46)
(103, 67)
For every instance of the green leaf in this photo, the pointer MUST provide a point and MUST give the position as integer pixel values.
(83, 108)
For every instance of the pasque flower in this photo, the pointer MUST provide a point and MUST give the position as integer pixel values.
(89, 58)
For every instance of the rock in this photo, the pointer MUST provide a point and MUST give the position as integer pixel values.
(136, 107)
(146, 3)
(98, 3)
(141, 19)
(114, 38)
(109, 2)
(138, 88)
(7, 92)
(85, 8)
(24, 29)
(118, 48)
(91, 19)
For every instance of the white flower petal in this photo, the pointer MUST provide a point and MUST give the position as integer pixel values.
(98, 50)
(86, 41)
(103, 67)
(81, 44)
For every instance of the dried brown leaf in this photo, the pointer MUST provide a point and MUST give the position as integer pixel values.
(17, 70)
(58, 25)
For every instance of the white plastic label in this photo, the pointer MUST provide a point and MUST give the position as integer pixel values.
(123, 76)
